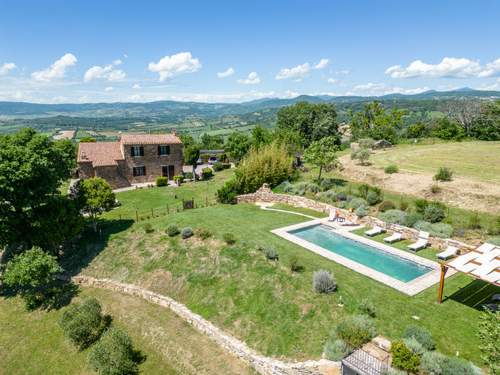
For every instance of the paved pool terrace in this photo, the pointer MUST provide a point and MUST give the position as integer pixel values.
(410, 288)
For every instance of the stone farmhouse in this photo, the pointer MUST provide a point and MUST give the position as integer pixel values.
(134, 158)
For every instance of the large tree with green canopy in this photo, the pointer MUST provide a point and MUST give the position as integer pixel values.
(322, 154)
(311, 122)
(32, 168)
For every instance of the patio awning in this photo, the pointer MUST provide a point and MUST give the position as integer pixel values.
(482, 263)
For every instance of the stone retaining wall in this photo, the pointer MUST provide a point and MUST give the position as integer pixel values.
(265, 194)
(263, 365)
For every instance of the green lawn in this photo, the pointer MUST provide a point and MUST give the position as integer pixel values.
(148, 202)
(477, 160)
(263, 302)
(33, 343)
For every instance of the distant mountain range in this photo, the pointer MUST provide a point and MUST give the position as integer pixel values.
(205, 110)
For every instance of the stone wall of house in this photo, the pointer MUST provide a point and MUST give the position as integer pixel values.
(152, 161)
(112, 175)
(263, 365)
(85, 170)
(265, 194)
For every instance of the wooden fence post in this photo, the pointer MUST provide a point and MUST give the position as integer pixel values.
(136, 216)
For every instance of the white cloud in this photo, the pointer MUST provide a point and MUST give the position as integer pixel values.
(6, 68)
(136, 86)
(490, 86)
(107, 72)
(171, 66)
(297, 72)
(323, 63)
(343, 72)
(252, 79)
(377, 89)
(448, 67)
(56, 70)
(226, 73)
(108, 89)
(332, 80)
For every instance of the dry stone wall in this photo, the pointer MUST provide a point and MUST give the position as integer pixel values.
(263, 365)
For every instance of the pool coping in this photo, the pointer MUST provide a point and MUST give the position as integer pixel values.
(410, 288)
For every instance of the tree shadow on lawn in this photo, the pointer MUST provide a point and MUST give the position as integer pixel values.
(91, 244)
(475, 294)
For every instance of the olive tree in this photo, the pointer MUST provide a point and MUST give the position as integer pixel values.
(322, 154)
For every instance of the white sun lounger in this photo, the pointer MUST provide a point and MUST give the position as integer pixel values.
(487, 268)
(374, 231)
(396, 236)
(493, 277)
(450, 251)
(485, 248)
(461, 261)
(423, 240)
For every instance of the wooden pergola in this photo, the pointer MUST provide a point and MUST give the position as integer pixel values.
(482, 263)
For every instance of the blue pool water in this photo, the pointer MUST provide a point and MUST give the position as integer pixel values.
(399, 268)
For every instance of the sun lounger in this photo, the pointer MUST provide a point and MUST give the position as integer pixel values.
(374, 231)
(396, 236)
(493, 277)
(461, 261)
(346, 222)
(423, 240)
(450, 252)
(485, 248)
(487, 268)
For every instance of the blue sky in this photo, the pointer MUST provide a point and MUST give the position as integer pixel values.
(89, 51)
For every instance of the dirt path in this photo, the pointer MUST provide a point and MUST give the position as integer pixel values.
(461, 192)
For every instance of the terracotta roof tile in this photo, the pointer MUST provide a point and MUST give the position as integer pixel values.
(149, 139)
(100, 153)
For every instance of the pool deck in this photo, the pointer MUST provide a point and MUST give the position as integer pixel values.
(410, 288)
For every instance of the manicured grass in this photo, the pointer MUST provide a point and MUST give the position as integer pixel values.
(33, 343)
(149, 202)
(263, 302)
(306, 211)
(477, 160)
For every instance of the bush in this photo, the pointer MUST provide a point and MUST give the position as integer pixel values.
(172, 230)
(435, 189)
(114, 354)
(294, 264)
(207, 173)
(161, 181)
(271, 254)
(431, 363)
(188, 175)
(229, 238)
(203, 233)
(326, 184)
(403, 205)
(386, 206)
(392, 168)
(434, 213)
(329, 196)
(270, 164)
(341, 196)
(335, 349)
(186, 232)
(437, 229)
(412, 218)
(495, 240)
(373, 198)
(420, 205)
(148, 228)
(217, 167)
(356, 330)
(394, 217)
(366, 307)
(422, 335)
(403, 358)
(227, 193)
(324, 282)
(354, 203)
(414, 346)
(443, 174)
(361, 211)
(458, 366)
(363, 190)
(83, 324)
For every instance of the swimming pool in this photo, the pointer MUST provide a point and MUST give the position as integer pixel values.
(392, 265)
